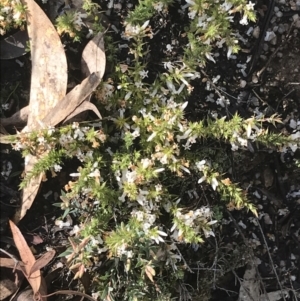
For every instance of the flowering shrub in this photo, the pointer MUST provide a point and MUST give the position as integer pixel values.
(143, 167)
(12, 15)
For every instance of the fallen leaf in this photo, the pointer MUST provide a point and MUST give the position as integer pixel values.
(48, 85)
(18, 119)
(29, 193)
(72, 100)
(49, 65)
(27, 258)
(7, 288)
(42, 261)
(85, 106)
(93, 60)
(11, 264)
(93, 57)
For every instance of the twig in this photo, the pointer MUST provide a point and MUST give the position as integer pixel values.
(259, 73)
(16, 261)
(270, 257)
(251, 253)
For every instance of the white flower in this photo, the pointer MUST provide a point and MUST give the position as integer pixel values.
(138, 84)
(226, 6)
(143, 74)
(57, 168)
(244, 20)
(250, 6)
(201, 165)
(169, 48)
(151, 136)
(192, 14)
(201, 179)
(5, 107)
(41, 140)
(136, 132)
(158, 6)
(78, 134)
(62, 224)
(169, 66)
(229, 52)
(146, 163)
(209, 57)
(214, 183)
(75, 174)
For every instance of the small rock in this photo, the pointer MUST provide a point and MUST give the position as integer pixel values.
(268, 177)
(270, 35)
(265, 47)
(256, 32)
(243, 83)
(274, 41)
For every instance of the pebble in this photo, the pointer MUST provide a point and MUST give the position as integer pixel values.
(274, 41)
(265, 47)
(269, 36)
(281, 29)
(243, 83)
(256, 32)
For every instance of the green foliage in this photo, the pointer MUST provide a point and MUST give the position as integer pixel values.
(12, 15)
(135, 193)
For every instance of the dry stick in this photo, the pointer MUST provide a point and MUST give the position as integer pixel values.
(293, 290)
(271, 260)
(16, 261)
(251, 253)
(67, 292)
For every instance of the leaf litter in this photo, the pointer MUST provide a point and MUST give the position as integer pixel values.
(49, 104)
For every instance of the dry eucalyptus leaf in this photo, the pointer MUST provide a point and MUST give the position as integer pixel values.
(29, 193)
(93, 57)
(49, 65)
(18, 119)
(85, 106)
(42, 261)
(11, 264)
(48, 84)
(27, 258)
(7, 288)
(93, 60)
(72, 100)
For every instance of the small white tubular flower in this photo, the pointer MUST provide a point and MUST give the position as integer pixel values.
(214, 183)
(150, 138)
(244, 20)
(250, 5)
(201, 165)
(202, 179)
(249, 129)
(143, 74)
(184, 105)
(229, 52)
(210, 57)
(57, 168)
(185, 169)
(145, 24)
